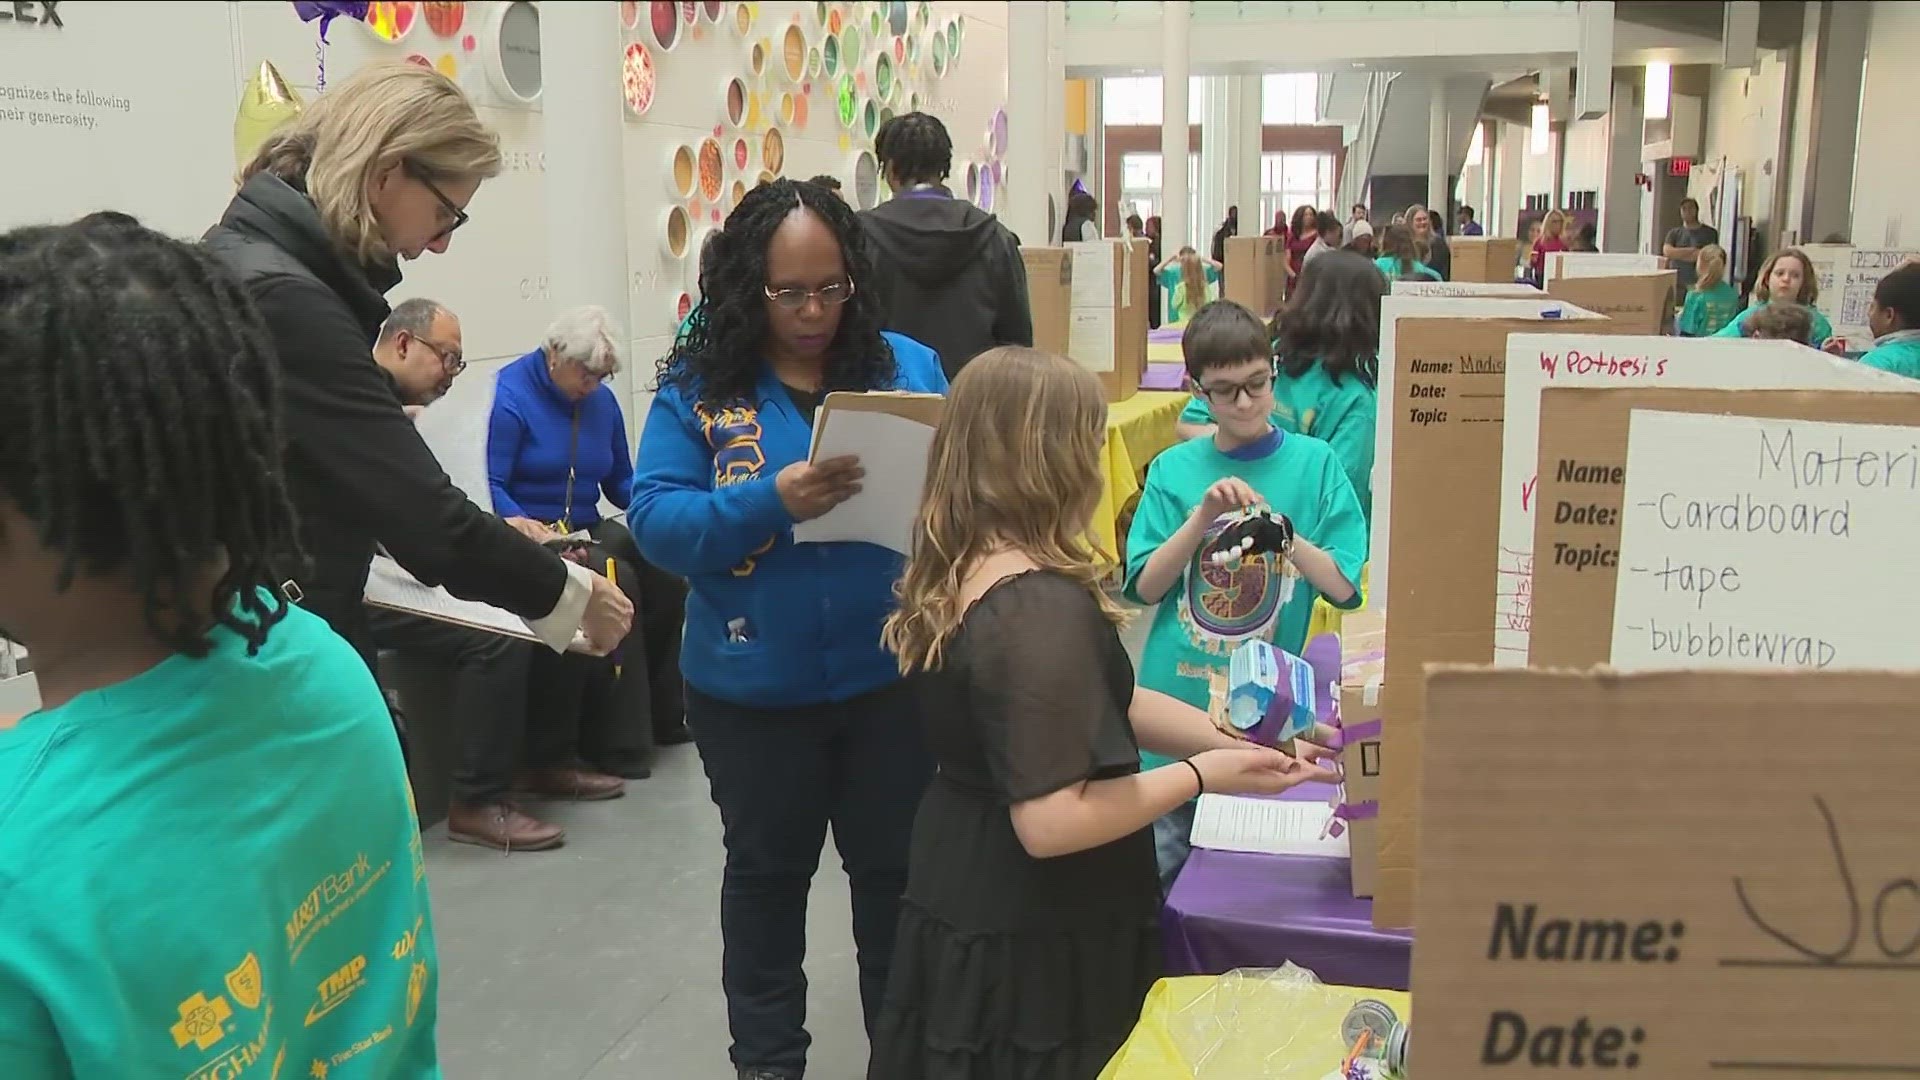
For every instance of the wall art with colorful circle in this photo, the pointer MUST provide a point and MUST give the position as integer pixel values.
(847, 101)
(866, 181)
(637, 82)
(663, 21)
(712, 170)
(683, 172)
(391, 22)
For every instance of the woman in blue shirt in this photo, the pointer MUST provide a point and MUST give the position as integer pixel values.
(557, 443)
(798, 710)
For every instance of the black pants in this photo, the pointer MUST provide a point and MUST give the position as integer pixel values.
(608, 712)
(781, 778)
(489, 674)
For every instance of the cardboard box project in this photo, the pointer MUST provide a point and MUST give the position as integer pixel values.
(1620, 876)
(1256, 274)
(1363, 651)
(1107, 331)
(1582, 494)
(1643, 303)
(1049, 295)
(1447, 406)
(1484, 258)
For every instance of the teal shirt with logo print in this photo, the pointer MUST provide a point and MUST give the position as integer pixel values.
(1211, 610)
(1822, 328)
(212, 870)
(1342, 414)
(1898, 352)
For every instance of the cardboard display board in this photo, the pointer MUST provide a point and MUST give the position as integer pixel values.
(1256, 273)
(1561, 264)
(1484, 258)
(1734, 910)
(1847, 276)
(1643, 303)
(1393, 309)
(1363, 650)
(1107, 316)
(1049, 295)
(1514, 290)
(1575, 359)
(1583, 459)
(1132, 347)
(1446, 409)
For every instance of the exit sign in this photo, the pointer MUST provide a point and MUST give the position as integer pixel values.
(1680, 166)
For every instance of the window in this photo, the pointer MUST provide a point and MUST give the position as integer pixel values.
(1140, 186)
(1290, 99)
(1290, 180)
(1136, 100)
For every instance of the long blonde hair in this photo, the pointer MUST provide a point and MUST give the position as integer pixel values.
(1016, 463)
(1193, 280)
(1554, 225)
(384, 115)
(1710, 265)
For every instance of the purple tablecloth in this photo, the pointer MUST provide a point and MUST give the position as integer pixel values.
(1165, 335)
(1164, 377)
(1234, 910)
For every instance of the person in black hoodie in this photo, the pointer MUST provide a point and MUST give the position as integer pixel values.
(948, 273)
(381, 167)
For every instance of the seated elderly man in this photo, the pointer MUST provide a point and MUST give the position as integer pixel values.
(557, 444)
(420, 348)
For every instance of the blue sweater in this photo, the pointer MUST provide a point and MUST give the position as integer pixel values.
(807, 616)
(530, 437)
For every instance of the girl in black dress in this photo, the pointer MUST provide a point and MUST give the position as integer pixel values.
(1028, 937)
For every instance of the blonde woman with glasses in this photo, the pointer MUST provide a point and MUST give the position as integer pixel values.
(381, 168)
(1028, 937)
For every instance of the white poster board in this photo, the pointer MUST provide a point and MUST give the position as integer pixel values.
(1561, 264)
(1392, 309)
(1847, 276)
(1512, 290)
(1536, 361)
(1739, 560)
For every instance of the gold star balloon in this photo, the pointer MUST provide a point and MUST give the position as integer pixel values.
(266, 104)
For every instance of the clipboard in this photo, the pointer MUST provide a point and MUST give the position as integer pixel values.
(892, 434)
(389, 586)
(907, 405)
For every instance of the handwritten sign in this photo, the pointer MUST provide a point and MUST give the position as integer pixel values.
(1561, 264)
(1718, 561)
(1511, 290)
(1538, 361)
(1706, 913)
(1847, 277)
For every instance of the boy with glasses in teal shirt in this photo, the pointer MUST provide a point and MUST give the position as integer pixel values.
(1194, 491)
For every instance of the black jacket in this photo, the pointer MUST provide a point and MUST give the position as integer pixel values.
(356, 468)
(949, 276)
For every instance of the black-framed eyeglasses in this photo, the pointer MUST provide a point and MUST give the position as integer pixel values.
(1227, 393)
(450, 358)
(459, 216)
(794, 299)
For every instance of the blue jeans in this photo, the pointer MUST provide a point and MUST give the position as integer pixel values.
(1170, 844)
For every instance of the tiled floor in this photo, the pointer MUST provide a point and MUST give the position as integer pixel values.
(601, 960)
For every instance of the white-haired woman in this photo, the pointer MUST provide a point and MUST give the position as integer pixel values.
(379, 169)
(557, 444)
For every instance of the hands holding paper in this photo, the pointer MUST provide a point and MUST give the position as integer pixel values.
(810, 489)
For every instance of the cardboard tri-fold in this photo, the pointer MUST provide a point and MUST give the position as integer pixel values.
(1643, 303)
(1363, 651)
(1049, 295)
(1484, 258)
(1107, 312)
(1256, 273)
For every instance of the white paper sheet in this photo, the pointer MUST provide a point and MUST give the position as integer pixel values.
(1090, 338)
(894, 451)
(1268, 826)
(1723, 563)
(390, 586)
(1093, 273)
(1536, 361)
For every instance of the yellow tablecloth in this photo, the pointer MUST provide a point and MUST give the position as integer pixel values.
(1137, 430)
(1152, 1053)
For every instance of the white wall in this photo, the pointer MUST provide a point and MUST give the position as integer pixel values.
(1744, 117)
(1586, 160)
(1536, 170)
(1888, 157)
(164, 149)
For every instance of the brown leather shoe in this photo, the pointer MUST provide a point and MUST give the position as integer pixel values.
(581, 785)
(502, 826)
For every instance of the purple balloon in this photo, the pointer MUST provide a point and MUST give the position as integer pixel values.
(326, 12)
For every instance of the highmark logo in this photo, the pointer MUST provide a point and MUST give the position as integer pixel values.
(335, 989)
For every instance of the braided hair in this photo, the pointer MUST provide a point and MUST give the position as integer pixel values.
(914, 148)
(719, 359)
(139, 431)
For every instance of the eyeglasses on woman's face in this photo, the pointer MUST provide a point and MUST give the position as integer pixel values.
(832, 295)
(451, 215)
(1225, 393)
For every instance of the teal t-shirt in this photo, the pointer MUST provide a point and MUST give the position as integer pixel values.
(1822, 329)
(212, 870)
(1390, 266)
(1898, 352)
(1707, 311)
(1342, 415)
(1211, 609)
(1177, 310)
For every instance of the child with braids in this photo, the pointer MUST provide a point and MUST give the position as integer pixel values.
(799, 713)
(208, 859)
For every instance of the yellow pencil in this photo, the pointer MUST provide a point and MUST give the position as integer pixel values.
(614, 580)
